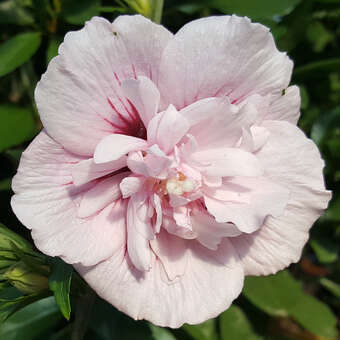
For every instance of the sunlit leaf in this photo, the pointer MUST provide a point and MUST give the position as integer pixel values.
(60, 283)
(315, 316)
(282, 295)
(234, 325)
(17, 50)
(274, 294)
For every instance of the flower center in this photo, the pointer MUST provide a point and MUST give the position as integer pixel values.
(179, 187)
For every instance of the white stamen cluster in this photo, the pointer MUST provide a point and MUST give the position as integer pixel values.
(178, 187)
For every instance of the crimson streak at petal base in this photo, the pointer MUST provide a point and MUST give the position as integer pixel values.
(170, 166)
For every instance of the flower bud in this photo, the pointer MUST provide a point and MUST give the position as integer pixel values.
(26, 279)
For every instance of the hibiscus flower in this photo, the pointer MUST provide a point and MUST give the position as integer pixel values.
(170, 166)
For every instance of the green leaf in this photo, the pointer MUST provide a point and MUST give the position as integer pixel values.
(234, 325)
(282, 295)
(333, 287)
(52, 49)
(10, 304)
(203, 331)
(325, 249)
(16, 51)
(5, 184)
(322, 127)
(60, 283)
(11, 12)
(259, 9)
(106, 323)
(160, 333)
(8, 237)
(32, 321)
(317, 68)
(16, 125)
(315, 316)
(319, 36)
(274, 294)
(77, 12)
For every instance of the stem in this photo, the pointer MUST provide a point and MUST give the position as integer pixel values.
(157, 11)
(83, 313)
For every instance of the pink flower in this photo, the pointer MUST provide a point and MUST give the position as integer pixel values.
(170, 166)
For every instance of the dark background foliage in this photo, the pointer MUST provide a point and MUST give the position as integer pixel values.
(42, 298)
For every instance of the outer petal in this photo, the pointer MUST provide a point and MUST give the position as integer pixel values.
(47, 202)
(75, 95)
(212, 280)
(286, 106)
(293, 161)
(219, 56)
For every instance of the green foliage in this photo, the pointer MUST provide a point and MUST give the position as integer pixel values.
(281, 295)
(17, 50)
(260, 9)
(18, 119)
(234, 325)
(204, 331)
(77, 12)
(159, 333)
(60, 284)
(276, 307)
(31, 322)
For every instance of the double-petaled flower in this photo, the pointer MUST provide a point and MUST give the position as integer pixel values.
(170, 166)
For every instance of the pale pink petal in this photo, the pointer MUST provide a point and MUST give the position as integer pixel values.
(47, 202)
(102, 194)
(246, 201)
(181, 215)
(209, 232)
(74, 95)
(170, 127)
(157, 204)
(139, 232)
(144, 95)
(222, 56)
(172, 252)
(228, 162)
(170, 225)
(216, 123)
(286, 106)
(254, 138)
(149, 166)
(293, 161)
(87, 170)
(114, 146)
(130, 185)
(141, 294)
